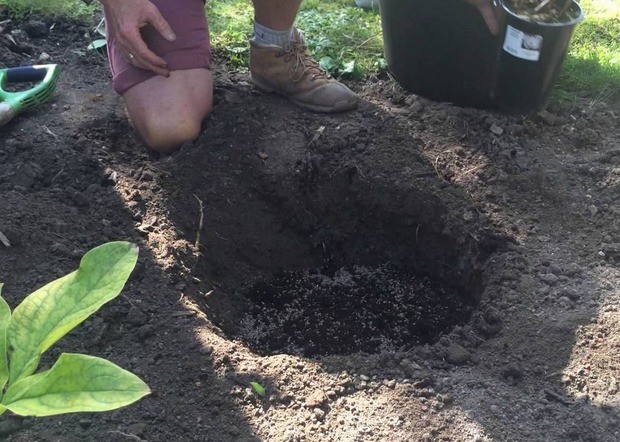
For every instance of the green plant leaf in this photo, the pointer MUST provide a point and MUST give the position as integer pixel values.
(381, 64)
(75, 383)
(52, 311)
(96, 44)
(5, 318)
(348, 67)
(328, 64)
(258, 388)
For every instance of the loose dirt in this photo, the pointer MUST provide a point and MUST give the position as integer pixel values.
(410, 271)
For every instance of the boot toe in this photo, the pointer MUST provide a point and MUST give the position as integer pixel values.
(330, 97)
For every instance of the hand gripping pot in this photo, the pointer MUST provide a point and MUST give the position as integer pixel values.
(442, 50)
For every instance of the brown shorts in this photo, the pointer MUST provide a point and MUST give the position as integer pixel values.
(190, 50)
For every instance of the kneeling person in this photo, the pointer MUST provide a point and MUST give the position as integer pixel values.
(160, 58)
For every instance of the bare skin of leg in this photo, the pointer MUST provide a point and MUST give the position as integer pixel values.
(276, 14)
(168, 112)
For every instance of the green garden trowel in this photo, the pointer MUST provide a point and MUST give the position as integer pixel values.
(14, 103)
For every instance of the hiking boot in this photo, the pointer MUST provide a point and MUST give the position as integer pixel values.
(292, 72)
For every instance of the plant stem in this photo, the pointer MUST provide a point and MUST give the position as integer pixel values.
(542, 5)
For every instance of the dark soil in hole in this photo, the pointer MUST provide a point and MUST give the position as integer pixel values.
(553, 11)
(349, 310)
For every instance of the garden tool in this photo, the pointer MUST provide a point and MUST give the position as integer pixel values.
(14, 103)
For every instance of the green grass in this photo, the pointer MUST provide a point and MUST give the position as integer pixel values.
(230, 24)
(75, 9)
(592, 67)
(346, 39)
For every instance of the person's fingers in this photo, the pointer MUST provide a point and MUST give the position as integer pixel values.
(160, 24)
(131, 39)
(140, 48)
(144, 58)
(488, 14)
(139, 62)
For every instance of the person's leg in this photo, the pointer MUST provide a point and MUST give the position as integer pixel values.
(276, 14)
(168, 111)
(279, 61)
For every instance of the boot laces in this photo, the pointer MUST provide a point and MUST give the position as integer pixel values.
(303, 62)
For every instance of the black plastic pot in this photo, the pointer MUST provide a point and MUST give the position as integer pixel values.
(531, 56)
(440, 49)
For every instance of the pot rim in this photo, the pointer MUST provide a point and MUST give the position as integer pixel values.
(526, 19)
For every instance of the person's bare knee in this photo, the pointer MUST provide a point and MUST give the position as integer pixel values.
(168, 112)
(170, 139)
(167, 132)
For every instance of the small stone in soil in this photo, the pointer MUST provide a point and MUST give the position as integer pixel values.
(447, 399)
(319, 414)
(316, 399)
(497, 130)
(593, 210)
(389, 383)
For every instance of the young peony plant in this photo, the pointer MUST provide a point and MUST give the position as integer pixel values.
(76, 382)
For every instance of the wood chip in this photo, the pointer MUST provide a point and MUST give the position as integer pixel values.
(4, 240)
(317, 135)
(185, 313)
(552, 396)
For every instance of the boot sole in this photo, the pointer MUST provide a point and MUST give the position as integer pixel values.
(341, 106)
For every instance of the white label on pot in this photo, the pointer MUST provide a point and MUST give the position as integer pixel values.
(523, 45)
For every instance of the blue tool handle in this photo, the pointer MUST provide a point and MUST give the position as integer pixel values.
(25, 73)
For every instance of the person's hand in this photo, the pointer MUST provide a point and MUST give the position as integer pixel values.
(488, 14)
(126, 17)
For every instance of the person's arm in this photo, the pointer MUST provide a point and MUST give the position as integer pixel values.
(126, 17)
(488, 14)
